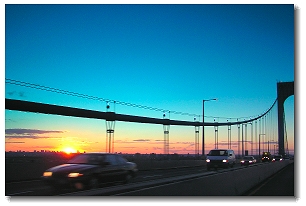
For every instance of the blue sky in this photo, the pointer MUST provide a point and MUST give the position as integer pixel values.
(165, 56)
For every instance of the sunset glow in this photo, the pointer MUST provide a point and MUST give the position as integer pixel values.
(69, 150)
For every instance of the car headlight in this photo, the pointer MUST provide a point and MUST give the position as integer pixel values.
(250, 161)
(208, 160)
(242, 161)
(47, 174)
(74, 174)
(224, 160)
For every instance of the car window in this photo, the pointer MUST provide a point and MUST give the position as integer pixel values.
(93, 159)
(121, 160)
(278, 156)
(80, 159)
(87, 159)
(218, 153)
(111, 159)
(101, 159)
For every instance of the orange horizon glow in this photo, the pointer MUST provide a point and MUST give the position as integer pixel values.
(69, 150)
(142, 148)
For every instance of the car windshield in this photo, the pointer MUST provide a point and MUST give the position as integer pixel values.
(248, 158)
(218, 153)
(87, 159)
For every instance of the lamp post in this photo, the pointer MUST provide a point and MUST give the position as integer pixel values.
(203, 144)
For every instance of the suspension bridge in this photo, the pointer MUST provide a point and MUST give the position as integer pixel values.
(262, 127)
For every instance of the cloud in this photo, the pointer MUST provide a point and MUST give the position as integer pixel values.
(28, 133)
(141, 140)
(192, 143)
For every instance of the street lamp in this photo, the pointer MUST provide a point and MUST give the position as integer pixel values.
(203, 144)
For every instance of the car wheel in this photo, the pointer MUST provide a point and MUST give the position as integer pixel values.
(93, 182)
(128, 178)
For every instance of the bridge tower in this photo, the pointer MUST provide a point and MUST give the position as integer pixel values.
(196, 140)
(166, 127)
(229, 136)
(110, 128)
(284, 90)
(216, 135)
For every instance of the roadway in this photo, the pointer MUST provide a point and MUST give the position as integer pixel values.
(38, 188)
(165, 182)
(280, 184)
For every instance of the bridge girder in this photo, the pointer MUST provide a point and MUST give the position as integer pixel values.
(27, 106)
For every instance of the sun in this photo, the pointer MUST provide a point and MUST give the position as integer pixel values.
(69, 150)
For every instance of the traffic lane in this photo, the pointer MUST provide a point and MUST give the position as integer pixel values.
(38, 188)
(280, 184)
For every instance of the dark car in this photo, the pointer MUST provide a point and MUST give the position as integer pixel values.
(248, 160)
(89, 170)
(266, 157)
(277, 158)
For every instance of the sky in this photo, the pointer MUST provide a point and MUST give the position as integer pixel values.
(163, 56)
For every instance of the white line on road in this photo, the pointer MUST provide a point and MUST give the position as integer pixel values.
(19, 193)
(152, 176)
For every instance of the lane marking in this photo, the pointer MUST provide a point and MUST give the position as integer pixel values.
(19, 193)
(151, 176)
